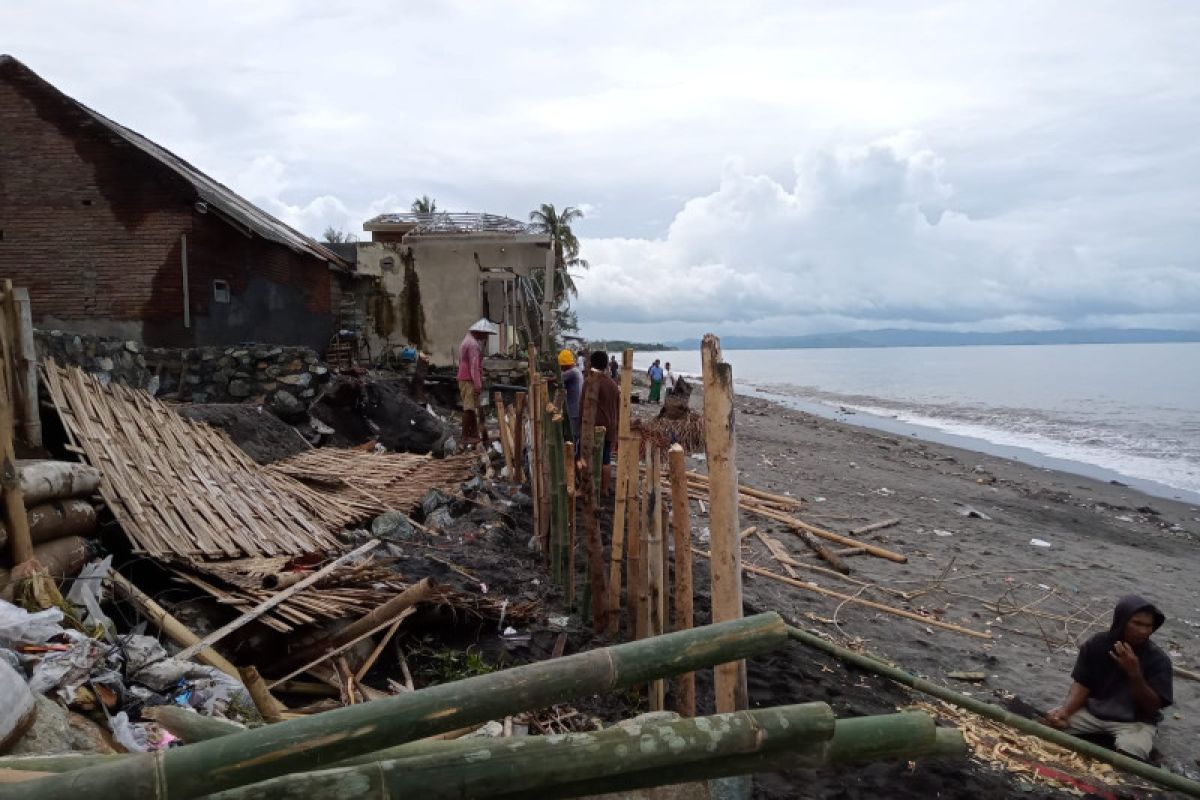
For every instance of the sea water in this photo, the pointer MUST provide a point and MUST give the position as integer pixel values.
(1116, 411)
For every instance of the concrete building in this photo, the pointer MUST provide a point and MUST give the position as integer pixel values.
(115, 235)
(439, 273)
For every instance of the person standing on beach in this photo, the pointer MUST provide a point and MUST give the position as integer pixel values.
(613, 369)
(1121, 681)
(670, 378)
(470, 380)
(608, 414)
(655, 374)
(572, 380)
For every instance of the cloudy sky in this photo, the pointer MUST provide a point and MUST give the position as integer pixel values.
(755, 167)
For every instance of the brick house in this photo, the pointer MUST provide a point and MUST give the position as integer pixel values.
(115, 235)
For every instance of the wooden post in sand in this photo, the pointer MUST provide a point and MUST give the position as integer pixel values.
(681, 527)
(720, 450)
(654, 564)
(535, 439)
(545, 493)
(572, 526)
(627, 454)
(595, 547)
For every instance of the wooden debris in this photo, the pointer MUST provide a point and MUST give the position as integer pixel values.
(344, 486)
(274, 600)
(875, 526)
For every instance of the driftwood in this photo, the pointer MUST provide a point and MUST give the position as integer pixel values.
(875, 526)
(847, 598)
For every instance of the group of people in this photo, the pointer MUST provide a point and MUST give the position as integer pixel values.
(608, 403)
(659, 375)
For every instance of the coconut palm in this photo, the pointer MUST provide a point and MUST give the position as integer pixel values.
(424, 205)
(557, 225)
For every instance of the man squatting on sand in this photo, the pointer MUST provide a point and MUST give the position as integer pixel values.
(470, 381)
(1121, 681)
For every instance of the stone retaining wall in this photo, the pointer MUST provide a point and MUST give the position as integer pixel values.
(251, 372)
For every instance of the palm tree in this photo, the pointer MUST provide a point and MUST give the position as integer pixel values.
(557, 225)
(424, 205)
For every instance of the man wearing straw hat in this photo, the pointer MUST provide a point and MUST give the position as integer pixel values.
(470, 381)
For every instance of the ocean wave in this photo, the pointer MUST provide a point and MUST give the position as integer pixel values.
(1159, 445)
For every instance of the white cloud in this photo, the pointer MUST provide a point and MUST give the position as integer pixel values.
(1054, 179)
(868, 235)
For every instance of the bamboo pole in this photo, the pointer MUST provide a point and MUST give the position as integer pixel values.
(267, 705)
(626, 453)
(906, 736)
(858, 601)
(875, 526)
(537, 763)
(654, 568)
(750, 491)
(299, 744)
(873, 665)
(681, 527)
(597, 592)
(720, 448)
(519, 437)
(274, 600)
(633, 561)
(19, 542)
(544, 466)
(381, 616)
(572, 520)
(191, 726)
(645, 526)
(172, 628)
(800, 525)
(557, 491)
(506, 439)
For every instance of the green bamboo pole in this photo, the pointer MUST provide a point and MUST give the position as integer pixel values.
(908, 739)
(484, 768)
(1156, 775)
(558, 499)
(324, 739)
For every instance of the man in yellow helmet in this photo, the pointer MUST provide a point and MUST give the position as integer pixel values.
(572, 380)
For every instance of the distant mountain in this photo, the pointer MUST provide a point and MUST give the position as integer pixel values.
(893, 337)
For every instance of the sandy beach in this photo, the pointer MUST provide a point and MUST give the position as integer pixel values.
(967, 526)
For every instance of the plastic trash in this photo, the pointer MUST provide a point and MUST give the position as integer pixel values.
(1040, 543)
(86, 593)
(132, 737)
(18, 626)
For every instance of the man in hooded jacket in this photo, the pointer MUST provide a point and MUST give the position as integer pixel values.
(1121, 681)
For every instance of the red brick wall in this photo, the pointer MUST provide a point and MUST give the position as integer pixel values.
(92, 226)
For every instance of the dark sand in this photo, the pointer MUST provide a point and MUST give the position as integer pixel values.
(1105, 541)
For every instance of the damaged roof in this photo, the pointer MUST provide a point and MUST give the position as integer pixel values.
(219, 198)
(447, 222)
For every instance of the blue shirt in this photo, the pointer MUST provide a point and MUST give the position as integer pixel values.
(656, 373)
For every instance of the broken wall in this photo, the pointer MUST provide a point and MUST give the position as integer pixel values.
(434, 286)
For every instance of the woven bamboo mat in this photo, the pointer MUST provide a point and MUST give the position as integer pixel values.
(343, 486)
(180, 488)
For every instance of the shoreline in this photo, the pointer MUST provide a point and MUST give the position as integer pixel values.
(1024, 455)
(931, 432)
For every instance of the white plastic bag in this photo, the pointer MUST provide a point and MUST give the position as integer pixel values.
(18, 626)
